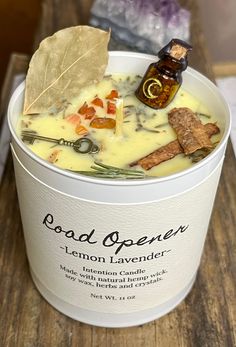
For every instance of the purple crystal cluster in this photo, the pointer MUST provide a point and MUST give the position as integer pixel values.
(146, 25)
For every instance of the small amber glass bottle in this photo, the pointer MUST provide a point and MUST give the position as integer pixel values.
(163, 78)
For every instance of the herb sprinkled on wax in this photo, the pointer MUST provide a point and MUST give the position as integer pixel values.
(107, 171)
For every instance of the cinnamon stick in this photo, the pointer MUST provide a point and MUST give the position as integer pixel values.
(190, 131)
(170, 150)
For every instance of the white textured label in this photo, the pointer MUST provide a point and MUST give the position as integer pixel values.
(114, 258)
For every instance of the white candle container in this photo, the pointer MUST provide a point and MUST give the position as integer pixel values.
(117, 253)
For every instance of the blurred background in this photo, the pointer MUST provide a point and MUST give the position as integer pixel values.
(19, 20)
(218, 24)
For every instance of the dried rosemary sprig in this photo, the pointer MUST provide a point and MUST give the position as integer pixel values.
(106, 171)
(202, 153)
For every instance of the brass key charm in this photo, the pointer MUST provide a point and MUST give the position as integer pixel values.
(83, 145)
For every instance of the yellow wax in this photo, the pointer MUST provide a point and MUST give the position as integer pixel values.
(133, 142)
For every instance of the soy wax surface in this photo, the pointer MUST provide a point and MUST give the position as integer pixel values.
(143, 129)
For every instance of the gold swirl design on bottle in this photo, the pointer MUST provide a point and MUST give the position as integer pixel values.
(152, 87)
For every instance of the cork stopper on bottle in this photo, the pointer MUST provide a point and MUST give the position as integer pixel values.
(178, 52)
(179, 49)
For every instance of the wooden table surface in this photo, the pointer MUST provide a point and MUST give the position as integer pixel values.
(207, 317)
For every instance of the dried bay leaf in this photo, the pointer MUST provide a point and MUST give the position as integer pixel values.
(64, 63)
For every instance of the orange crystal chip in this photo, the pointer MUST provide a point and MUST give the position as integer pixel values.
(103, 123)
(81, 130)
